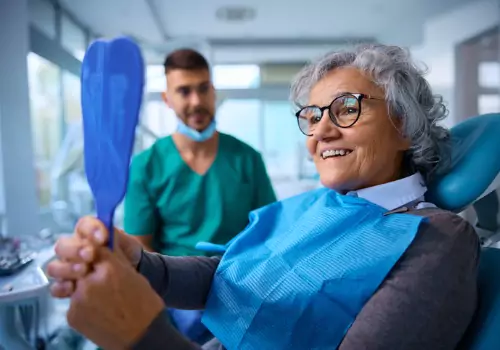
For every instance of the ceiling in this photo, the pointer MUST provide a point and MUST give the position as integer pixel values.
(278, 31)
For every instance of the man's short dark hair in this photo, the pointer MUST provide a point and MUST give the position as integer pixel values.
(187, 59)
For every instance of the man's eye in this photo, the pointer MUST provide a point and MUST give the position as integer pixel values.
(184, 92)
(203, 89)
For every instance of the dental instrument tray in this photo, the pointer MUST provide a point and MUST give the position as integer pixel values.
(12, 257)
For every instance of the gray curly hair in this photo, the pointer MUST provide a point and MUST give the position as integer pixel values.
(408, 95)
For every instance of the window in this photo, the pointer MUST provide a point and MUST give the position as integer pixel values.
(155, 78)
(158, 118)
(224, 77)
(236, 76)
(73, 38)
(282, 139)
(242, 119)
(46, 119)
(488, 104)
(72, 98)
(489, 74)
(270, 127)
(43, 17)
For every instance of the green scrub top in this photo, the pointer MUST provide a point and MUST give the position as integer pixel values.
(166, 198)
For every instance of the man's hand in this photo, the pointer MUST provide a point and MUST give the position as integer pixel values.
(77, 254)
(113, 305)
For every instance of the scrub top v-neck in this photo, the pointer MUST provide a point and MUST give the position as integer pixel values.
(167, 198)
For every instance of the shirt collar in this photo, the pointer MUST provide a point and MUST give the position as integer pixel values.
(394, 194)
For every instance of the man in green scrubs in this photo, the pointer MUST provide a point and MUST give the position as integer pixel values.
(197, 184)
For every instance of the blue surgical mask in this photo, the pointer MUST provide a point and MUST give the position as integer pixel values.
(196, 135)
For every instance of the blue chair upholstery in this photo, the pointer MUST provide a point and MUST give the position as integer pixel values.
(475, 164)
(474, 174)
(484, 332)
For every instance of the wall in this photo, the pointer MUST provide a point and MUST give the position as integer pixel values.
(443, 33)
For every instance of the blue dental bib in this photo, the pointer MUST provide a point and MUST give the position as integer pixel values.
(302, 270)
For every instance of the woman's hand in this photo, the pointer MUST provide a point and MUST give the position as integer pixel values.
(113, 304)
(77, 254)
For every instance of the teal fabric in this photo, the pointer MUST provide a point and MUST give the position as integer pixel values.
(180, 207)
(302, 270)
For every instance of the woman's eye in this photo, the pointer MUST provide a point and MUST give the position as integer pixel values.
(314, 119)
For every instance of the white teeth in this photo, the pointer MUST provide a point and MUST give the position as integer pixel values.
(335, 153)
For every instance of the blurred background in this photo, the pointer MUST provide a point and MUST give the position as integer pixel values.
(255, 48)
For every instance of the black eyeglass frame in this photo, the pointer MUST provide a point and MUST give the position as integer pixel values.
(358, 96)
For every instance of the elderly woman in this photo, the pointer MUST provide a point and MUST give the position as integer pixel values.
(365, 263)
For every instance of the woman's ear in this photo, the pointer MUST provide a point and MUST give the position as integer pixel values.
(404, 143)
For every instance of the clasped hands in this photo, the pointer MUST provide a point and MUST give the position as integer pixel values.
(111, 303)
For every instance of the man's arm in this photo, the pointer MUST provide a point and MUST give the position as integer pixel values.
(182, 282)
(429, 299)
(263, 189)
(140, 216)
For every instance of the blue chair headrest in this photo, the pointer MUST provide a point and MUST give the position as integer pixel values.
(475, 164)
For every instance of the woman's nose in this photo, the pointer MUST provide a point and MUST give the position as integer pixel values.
(325, 129)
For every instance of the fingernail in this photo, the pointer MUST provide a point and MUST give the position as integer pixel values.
(86, 253)
(67, 286)
(78, 267)
(99, 236)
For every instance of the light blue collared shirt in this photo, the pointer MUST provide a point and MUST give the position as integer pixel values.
(397, 193)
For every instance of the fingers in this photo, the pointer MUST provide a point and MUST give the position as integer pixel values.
(75, 249)
(62, 289)
(113, 257)
(89, 233)
(92, 229)
(65, 270)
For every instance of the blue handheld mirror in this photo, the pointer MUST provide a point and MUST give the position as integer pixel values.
(112, 80)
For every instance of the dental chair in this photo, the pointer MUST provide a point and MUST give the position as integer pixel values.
(473, 181)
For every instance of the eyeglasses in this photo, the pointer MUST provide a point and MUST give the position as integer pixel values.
(344, 112)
